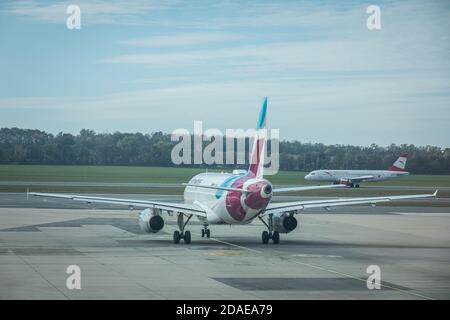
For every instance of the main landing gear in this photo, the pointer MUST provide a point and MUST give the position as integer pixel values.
(267, 235)
(205, 231)
(181, 234)
(347, 183)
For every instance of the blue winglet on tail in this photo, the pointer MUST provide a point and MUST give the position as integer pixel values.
(262, 115)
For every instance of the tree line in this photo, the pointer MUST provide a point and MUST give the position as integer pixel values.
(28, 146)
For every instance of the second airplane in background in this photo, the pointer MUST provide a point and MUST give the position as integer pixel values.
(352, 178)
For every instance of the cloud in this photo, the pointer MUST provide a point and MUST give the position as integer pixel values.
(369, 57)
(92, 11)
(183, 39)
(326, 112)
(359, 69)
(328, 78)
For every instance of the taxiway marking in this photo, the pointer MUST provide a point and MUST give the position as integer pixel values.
(335, 272)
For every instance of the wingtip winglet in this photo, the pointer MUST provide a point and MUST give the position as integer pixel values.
(435, 193)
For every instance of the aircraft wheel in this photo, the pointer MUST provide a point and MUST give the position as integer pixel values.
(208, 233)
(187, 237)
(265, 237)
(357, 185)
(176, 236)
(276, 237)
(203, 233)
(351, 185)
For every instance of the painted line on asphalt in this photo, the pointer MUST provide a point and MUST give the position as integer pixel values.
(339, 273)
(362, 280)
(225, 242)
(235, 245)
(423, 214)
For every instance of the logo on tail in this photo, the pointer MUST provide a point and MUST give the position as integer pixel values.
(400, 163)
(257, 157)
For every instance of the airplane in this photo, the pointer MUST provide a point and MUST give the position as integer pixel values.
(352, 178)
(233, 199)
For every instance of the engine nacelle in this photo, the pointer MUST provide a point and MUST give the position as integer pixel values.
(284, 223)
(149, 221)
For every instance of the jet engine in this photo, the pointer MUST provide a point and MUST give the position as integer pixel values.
(150, 221)
(284, 222)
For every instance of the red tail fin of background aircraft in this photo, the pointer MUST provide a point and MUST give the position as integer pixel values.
(400, 163)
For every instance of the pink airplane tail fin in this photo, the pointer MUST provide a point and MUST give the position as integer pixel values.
(257, 157)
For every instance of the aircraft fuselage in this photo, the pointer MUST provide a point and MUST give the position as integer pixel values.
(339, 175)
(230, 207)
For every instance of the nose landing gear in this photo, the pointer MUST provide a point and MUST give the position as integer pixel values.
(205, 231)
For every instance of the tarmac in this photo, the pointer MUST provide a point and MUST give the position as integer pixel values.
(326, 257)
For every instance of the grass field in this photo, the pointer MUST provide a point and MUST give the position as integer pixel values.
(32, 173)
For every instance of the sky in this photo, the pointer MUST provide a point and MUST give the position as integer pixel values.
(161, 65)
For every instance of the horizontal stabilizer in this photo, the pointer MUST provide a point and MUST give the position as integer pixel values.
(214, 187)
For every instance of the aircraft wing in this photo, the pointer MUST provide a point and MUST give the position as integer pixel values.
(306, 188)
(279, 207)
(361, 178)
(276, 190)
(169, 206)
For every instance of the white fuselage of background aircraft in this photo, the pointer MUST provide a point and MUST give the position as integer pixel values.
(342, 175)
